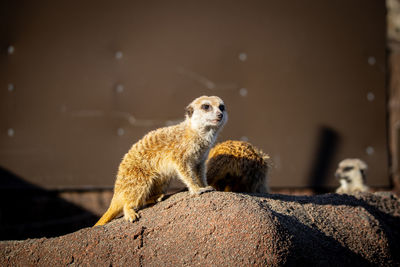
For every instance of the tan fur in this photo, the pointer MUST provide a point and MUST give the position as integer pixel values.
(351, 175)
(175, 151)
(238, 166)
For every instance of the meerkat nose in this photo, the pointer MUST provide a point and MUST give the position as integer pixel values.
(220, 115)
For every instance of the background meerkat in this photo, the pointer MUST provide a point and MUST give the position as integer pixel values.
(175, 151)
(351, 175)
(238, 166)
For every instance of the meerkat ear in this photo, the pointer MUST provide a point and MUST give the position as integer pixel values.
(363, 175)
(362, 165)
(189, 111)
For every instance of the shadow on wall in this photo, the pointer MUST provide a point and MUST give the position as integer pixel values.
(327, 144)
(28, 211)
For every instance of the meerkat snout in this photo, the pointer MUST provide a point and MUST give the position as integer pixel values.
(220, 115)
(351, 175)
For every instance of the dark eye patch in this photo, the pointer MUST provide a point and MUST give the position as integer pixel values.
(347, 179)
(347, 169)
(205, 107)
(221, 107)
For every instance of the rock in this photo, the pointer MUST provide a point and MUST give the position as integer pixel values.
(231, 229)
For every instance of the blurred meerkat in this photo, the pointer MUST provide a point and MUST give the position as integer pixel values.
(351, 175)
(238, 166)
(175, 151)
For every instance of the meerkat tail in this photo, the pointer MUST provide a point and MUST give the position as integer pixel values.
(114, 209)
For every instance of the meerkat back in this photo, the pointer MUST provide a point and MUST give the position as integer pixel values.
(238, 166)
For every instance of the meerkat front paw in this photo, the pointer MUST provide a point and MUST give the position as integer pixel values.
(160, 198)
(155, 199)
(131, 215)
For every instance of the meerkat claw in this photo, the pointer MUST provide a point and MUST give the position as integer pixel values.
(204, 190)
(131, 216)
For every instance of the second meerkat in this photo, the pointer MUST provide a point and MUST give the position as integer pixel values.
(351, 174)
(174, 151)
(238, 166)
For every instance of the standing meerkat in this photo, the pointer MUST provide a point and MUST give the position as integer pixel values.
(174, 151)
(351, 175)
(238, 166)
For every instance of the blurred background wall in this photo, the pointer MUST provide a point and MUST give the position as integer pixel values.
(393, 31)
(307, 82)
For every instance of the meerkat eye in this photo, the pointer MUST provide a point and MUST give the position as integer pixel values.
(222, 108)
(205, 107)
(347, 169)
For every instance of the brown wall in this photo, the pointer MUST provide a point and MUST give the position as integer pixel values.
(304, 81)
(393, 25)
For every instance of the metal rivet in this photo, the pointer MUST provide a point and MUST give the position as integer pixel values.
(243, 57)
(118, 55)
(63, 108)
(371, 96)
(11, 132)
(244, 138)
(371, 61)
(370, 150)
(210, 85)
(11, 50)
(120, 131)
(119, 88)
(243, 92)
(11, 87)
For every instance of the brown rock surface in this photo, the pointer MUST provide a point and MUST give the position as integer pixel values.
(229, 229)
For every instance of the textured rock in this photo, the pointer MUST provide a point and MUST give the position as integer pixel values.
(229, 229)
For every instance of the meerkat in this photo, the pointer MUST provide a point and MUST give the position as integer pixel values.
(351, 175)
(238, 166)
(175, 151)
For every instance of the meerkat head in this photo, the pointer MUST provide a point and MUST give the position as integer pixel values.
(207, 112)
(351, 172)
